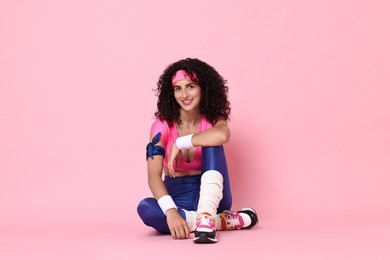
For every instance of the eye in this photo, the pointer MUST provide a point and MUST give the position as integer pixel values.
(176, 88)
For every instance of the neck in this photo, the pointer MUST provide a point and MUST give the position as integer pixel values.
(189, 118)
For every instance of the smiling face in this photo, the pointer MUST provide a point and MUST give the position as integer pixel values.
(187, 94)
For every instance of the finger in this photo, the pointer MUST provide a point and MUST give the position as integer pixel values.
(181, 232)
(172, 171)
(170, 168)
(187, 230)
(173, 233)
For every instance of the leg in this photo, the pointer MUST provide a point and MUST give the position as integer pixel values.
(213, 158)
(215, 194)
(185, 194)
(214, 200)
(151, 214)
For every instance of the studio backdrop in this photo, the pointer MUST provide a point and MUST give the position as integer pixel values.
(309, 90)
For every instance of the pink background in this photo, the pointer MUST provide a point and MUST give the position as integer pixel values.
(309, 86)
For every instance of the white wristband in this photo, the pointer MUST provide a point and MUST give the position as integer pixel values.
(184, 142)
(166, 202)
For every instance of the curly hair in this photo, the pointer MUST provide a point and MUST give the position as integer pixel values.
(214, 103)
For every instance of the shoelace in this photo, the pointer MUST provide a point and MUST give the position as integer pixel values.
(205, 221)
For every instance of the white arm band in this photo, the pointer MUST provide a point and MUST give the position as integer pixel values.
(166, 202)
(184, 142)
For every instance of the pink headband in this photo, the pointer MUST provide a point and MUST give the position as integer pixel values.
(182, 74)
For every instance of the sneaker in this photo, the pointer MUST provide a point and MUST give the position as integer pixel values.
(253, 216)
(231, 220)
(205, 231)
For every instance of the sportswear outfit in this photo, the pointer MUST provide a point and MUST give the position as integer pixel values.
(185, 191)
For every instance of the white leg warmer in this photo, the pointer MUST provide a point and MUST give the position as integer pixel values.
(191, 219)
(210, 192)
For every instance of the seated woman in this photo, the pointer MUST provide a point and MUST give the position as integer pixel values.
(186, 145)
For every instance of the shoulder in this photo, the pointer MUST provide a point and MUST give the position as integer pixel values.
(162, 127)
(159, 126)
(205, 124)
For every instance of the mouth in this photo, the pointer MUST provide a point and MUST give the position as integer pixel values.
(187, 102)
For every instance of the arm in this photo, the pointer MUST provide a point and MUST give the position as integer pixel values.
(215, 136)
(218, 135)
(177, 225)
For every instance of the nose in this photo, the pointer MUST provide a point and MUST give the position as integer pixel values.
(185, 93)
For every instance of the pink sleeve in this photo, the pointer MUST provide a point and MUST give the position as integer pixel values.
(162, 127)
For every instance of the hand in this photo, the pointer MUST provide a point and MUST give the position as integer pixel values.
(177, 225)
(173, 158)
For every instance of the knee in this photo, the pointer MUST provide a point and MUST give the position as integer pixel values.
(213, 158)
(145, 209)
(151, 214)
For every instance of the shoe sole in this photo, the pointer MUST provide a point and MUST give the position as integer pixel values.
(203, 238)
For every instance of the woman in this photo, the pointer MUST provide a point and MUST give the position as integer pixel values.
(186, 144)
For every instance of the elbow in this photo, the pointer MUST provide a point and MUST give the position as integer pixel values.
(224, 132)
(226, 137)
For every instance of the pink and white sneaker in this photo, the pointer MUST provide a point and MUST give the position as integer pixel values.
(205, 231)
(245, 218)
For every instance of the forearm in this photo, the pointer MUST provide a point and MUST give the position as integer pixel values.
(210, 137)
(156, 185)
(218, 135)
